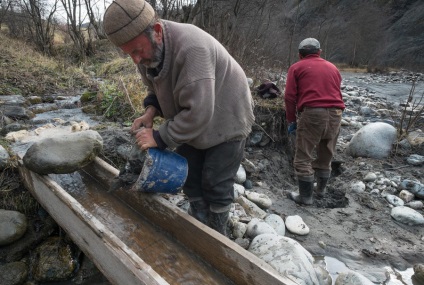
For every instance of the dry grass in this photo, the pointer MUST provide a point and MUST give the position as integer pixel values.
(27, 72)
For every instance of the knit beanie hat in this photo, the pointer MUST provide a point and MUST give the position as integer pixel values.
(126, 19)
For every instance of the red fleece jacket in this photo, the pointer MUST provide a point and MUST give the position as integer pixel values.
(312, 82)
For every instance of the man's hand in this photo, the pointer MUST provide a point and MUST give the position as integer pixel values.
(144, 138)
(146, 120)
(292, 128)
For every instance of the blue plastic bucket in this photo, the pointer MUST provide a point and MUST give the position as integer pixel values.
(163, 171)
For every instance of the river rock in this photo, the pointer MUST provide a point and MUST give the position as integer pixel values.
(414, 187)
(418, 276)
(287, 256)
(374, 140)
(357, 186)
(406, 196)
(13, 273)
(262, 200)
(14, 106)
(415, 159)
(240, 175)
(257, 227)
(63, 154)
(239, 230)
(4, 158)
(251, 208)
(13, 226)
(394, 200)
(239, 190)
(277, 223)
(352, 278)
(416, 139)
(296, 225)
(407, 216)
(54, 261)
(370, 177)
(416, 205)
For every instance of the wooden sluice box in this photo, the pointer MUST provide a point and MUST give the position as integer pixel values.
(141, 238)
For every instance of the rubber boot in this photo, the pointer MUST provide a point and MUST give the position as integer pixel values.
(321, 186)
(199, 209)
(219, 222)
(305, 193)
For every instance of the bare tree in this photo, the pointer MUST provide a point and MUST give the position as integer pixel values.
(75, 18)
(93, 14)
(40, 23)
(4, 8)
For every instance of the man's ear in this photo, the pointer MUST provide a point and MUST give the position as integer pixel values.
(158, 31)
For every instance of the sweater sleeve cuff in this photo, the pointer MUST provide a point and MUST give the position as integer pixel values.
(161, 144)
(152, 100)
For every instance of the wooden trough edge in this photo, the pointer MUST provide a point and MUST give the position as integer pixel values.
(238, 264)
(111, 256)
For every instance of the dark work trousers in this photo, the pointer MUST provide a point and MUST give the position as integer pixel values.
(317, 129)
(211, 172)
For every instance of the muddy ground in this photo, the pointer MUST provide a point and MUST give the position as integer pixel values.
(357, 229)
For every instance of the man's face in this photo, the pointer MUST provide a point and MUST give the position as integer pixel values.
(145, 50)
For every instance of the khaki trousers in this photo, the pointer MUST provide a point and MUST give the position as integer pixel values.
(317, 130)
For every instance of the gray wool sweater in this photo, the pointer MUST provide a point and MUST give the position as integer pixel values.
(202, 91)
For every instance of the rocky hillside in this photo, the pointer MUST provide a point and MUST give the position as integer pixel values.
(387, 33)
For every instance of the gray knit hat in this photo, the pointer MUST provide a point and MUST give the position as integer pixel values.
(126, 19)
(309, 43)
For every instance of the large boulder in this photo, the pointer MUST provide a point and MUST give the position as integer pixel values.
(374, 140)
(287, 256)
(63, 154)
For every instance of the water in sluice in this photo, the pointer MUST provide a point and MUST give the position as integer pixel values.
(175, 263)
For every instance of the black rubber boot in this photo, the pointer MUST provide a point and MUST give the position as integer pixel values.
(199, 210)
(321, 186)
(219, 222)
(305, 193)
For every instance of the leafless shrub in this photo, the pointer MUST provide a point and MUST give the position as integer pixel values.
(412, 112)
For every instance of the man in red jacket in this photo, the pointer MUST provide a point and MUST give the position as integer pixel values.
(314, 107)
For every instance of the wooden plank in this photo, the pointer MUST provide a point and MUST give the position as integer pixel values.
(111, 256)
(239, 265)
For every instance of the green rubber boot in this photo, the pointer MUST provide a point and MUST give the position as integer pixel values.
(305, 193)
(321, 186)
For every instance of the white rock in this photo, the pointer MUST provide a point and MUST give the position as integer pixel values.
(257, 227)
(286, 256)
(352, 278)
(394, 200)
(277, 223)
(262, 200)
(374, 140)
(416, 205)
(357, 186)
(296, 225)
(239, 190)
(241, 175)
(407, 216)
(370, 177)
